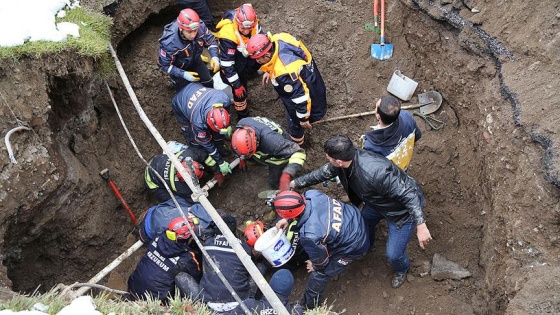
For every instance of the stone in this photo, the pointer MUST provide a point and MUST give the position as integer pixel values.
(443, 269)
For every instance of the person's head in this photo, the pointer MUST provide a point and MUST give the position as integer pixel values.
(178, 229)
(188, 22)
(387, 109)
(245, 19)
(259, 48)
(281, 283)
(198, 170)
(253, 231)
(339, 150)
(231, 223)
(289, 204)
(244, 142)
(218, 119)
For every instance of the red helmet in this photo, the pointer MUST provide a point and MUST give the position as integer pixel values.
(253, 231)
(198, 170)
(178, 229)
(244, 142)
(218, 118)
(258, 45)
(245, 16)
(188, 20)
(289, 204)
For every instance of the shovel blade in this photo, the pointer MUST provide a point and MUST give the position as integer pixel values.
(381, 51)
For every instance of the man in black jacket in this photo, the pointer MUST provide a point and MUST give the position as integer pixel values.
(386, 191)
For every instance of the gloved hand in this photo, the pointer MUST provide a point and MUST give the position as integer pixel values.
(285, 179)
(215, 64)
(224, 168)
(240, 92)
(191, 76)
(204, 58)
(242, 165)
(219, 177)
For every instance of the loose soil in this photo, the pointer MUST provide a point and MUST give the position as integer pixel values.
(490, 175)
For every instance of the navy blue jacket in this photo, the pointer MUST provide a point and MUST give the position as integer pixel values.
(177, 54)
(156, 271)
(376, 181)
(213, 290)
(157, 219)
(330, 228)
(395, 142)
(191, 106)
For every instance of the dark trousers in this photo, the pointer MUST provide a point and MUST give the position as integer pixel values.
(318, 280)
(199, 67)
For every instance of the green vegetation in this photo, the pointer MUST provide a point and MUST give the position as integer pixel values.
(93, 40)
(106, 304)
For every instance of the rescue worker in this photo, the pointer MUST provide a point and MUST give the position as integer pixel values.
(180, 49)
(201, 8)
(289, 66)
(161, 165)
(395, 135)
(211, 288)
(204, 119)
(331, 232)
(156, 219)
(234, 31)
(168, 255)
(268, 143)
(387, 193)
(282, 283)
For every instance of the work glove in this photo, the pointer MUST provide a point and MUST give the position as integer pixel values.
(219, 177)
(224, 168)
(215, 64)
(204, 58)
(285, 179)
(191, 76)
(240, 92)
(242, 165)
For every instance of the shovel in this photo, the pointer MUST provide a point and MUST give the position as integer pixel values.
(375, 26)
(382, 51)
(429, 102)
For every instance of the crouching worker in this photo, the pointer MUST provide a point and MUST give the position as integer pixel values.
(156, 220)
(211, 288)
(168, 256)
(331, 232)
(281, 283)
(161, 165)
(268, 143)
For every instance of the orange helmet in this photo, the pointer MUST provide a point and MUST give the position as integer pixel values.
(244, 142)
(289, 204)
(253, 231)
(245, 16)
(218, 118)
(188, 20)
(258, 45)
(179, 230)
(198, 170)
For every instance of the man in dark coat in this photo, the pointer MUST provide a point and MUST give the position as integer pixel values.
(386, 191)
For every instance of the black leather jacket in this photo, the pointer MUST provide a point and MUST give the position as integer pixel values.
(376, 181)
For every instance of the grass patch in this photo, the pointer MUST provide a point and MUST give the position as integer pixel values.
(95, 31)
(106, 303)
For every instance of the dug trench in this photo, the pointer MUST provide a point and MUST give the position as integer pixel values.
(488, 175)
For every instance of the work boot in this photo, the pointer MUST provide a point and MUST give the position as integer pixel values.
(398, 279)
